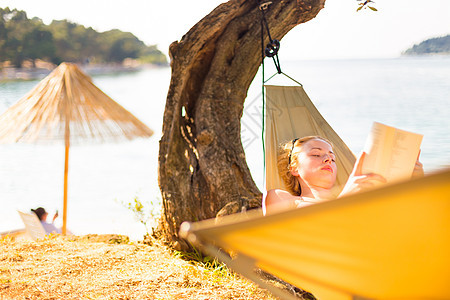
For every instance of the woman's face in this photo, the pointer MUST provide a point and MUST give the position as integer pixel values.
(316, 164)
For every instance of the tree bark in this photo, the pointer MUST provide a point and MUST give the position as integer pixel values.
(202, 165)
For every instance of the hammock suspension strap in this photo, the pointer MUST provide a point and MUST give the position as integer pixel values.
(269, 50)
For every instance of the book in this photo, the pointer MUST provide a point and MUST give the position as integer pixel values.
(391, 152)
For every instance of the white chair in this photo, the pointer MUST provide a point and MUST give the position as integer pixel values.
(33, 226)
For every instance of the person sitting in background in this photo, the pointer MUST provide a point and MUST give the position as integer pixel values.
(42, 216)
(308, 168)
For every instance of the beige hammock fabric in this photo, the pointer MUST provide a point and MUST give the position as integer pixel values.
(388, 243)
(291, 114)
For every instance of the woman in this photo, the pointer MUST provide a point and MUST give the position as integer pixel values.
(308, 169)
(42, 216)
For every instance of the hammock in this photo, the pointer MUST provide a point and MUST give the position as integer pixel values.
(388, 243)
(291, 114)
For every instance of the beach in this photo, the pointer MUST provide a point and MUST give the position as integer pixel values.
(409, 93)
(41, 68)
(110, 267)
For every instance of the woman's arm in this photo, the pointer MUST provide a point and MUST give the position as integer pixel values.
(277, 200)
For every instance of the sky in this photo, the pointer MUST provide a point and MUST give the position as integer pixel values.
(338, 31)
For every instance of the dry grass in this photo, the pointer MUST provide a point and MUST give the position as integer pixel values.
(91, 267)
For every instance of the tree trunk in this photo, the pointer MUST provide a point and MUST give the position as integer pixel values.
(202, 165)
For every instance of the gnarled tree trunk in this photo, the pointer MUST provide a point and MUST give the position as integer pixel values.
(202, 164)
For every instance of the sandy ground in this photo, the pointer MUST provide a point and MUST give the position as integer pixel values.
(109, 267)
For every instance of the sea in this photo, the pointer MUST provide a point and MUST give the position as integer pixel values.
(411, 93)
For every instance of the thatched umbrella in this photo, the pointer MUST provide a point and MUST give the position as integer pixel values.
(67, 106)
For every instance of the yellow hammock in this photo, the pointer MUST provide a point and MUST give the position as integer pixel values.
(389, 243)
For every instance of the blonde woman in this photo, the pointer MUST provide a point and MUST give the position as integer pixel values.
(308, 169)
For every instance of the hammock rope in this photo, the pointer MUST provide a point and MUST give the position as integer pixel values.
(269, 50)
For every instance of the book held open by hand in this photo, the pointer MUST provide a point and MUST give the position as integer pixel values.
(391, 152)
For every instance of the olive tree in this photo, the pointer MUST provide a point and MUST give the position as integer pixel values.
(202, 165)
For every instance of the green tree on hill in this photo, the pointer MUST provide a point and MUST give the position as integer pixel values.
(38, 43)
(152, 55)
(438, 45)
(121, 45)
(73, 42)
(24, 39)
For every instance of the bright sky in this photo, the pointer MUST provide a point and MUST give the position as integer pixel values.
(337, 32)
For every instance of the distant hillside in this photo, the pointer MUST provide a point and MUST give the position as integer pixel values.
(439, 45)
(23, 39)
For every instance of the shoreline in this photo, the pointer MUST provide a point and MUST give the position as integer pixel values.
(38, 73)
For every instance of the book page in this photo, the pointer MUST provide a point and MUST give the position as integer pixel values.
(391, 152)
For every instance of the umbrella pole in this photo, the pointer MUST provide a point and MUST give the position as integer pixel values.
(66, 173)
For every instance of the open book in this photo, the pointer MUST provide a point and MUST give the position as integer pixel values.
(391, 152)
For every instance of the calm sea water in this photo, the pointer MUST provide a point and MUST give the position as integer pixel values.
(410, 93)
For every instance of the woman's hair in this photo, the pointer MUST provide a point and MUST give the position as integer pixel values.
(40, 211)
(288, 158)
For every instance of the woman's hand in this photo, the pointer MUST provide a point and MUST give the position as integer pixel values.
(358, 182)
(55, 216)
(418, 169)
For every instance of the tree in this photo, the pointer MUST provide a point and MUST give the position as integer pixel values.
(3, 38)
(16, 27)
(152, 55)
(38, 44)
(431, 46)
(124, 47)
(202, 165)
(69, 42)
(21, 39)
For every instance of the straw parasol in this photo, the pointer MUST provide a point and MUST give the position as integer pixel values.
(66, 106)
